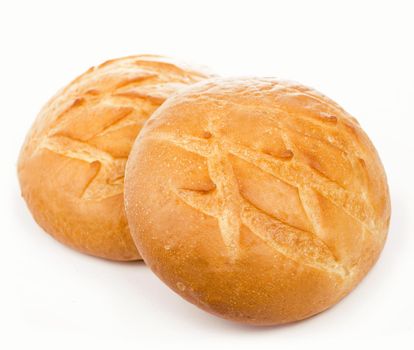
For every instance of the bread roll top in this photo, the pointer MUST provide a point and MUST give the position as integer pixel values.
(71, 166)
(267, 202)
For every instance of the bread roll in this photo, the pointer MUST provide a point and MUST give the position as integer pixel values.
(71, 166)
(258, 200)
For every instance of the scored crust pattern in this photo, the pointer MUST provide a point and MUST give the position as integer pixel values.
(226, 203)
(148, 84)
(108, 180)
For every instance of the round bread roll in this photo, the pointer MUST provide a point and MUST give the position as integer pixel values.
(258, 200)
(71, 166)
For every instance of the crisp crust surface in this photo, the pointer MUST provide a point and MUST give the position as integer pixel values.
(258, 200)
(71, 166)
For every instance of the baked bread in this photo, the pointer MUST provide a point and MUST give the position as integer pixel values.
(258, 200)
(71, 166)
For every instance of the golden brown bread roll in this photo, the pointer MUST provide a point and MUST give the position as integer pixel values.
(71, 167)
(258, 200)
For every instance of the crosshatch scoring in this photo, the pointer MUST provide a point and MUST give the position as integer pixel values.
(98, 113)
(77, 149)
(226, 203)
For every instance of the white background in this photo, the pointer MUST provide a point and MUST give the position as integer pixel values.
(360, 53)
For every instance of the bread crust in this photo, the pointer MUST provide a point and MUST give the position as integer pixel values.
(71, 166)
(258, 200)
